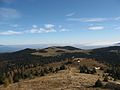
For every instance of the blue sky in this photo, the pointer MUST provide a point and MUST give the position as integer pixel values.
(88, 22)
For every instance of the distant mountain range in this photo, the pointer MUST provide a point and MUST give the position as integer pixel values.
(12, 48)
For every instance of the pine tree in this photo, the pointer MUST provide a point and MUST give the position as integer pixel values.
(98, 83)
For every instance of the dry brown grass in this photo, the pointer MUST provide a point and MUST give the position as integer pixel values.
(53, 52)
(92, 63)
(69, 79)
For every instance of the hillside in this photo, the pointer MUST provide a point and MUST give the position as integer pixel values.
(107, 54)
(56, 53)
(56, 50)
(69, 79)
(30, 63)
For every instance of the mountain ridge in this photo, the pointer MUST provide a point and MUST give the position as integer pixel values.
(109, 54)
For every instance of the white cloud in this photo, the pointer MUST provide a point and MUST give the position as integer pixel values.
(8, 13)
(64, 30)
(46, 29)
(34, 26)
(88, 19)
(98, 19)
(42, 30)
(97, 43)
(48, 26)
(70, 14)
(33, 30)
(61, 29)
(100, 43)
(96, 27)
(10, 32)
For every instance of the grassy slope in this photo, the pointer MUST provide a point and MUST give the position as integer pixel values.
(54, 51)
(69, 79)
